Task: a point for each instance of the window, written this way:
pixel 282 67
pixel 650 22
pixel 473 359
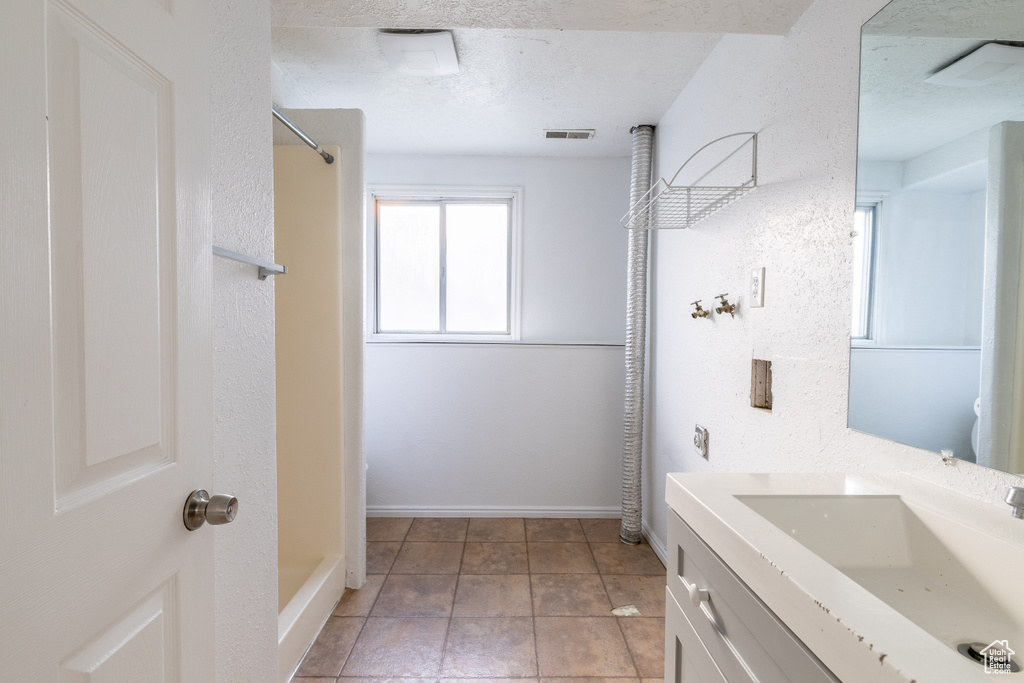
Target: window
pixel 445 267
pixel 865 230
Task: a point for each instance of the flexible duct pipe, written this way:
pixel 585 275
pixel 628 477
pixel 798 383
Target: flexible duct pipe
pixel 636 342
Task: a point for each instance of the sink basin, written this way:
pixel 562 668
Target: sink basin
pixel 954 581
pixel 881 575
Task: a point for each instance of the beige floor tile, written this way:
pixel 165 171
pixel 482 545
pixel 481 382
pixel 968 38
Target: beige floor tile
pixel 652 680
pixel 490 647
pixel 590 680
pixel 602 530
pixel 561 558
pixel 331 648
pixel 387 528
pixel 379 679
pixel 495 558
pixel 498 595
pixel 646 592
pixel 619 558
pixel 438 529
pixel 357 603
pixel 428 558
pixel 496 530
pixel 416 595
pixel 409 647
pixel 646 640
pixel 582 646
pixel 380 556
pixel 487 680
pixel 564 530
pixel 569 595
pixel 317 679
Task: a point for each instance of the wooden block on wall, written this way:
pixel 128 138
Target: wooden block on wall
pixel 761 384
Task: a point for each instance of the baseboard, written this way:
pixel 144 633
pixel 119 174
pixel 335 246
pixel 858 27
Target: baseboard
pixel 300 621
pixel 657 545
pixel 492 511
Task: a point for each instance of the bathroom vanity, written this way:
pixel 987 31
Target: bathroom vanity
pixel 734 638
pixel 822 577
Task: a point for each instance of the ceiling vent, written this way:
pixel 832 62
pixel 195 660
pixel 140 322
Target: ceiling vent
pixel 419 53
pixel 988 64
pixel 575 134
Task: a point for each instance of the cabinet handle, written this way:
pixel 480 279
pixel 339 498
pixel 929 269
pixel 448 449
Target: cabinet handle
pixel 697 595
pixel 701 598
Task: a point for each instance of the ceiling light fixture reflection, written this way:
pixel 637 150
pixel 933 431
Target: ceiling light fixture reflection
pixel 419 53
pixel 989 64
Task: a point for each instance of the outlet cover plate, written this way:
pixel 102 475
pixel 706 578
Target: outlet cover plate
pixel 700 441
pixel 757 288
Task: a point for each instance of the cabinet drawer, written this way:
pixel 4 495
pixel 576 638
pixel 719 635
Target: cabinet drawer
pixel 686 659
pixel 745 638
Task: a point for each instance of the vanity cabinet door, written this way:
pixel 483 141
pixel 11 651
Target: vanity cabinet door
pixel 686 659
pixel 745 638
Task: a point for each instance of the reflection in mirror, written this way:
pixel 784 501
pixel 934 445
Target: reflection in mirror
pixel 936 359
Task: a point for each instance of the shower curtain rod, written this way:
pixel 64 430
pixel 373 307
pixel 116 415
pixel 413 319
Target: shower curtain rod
pixel 295 129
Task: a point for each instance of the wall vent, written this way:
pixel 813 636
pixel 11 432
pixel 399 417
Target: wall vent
pixel 575 134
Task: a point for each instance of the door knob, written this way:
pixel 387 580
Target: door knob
pixel 201 508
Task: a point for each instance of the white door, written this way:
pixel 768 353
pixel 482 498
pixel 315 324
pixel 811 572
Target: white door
pixel 105 363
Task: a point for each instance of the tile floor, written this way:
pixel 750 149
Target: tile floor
pixel 449 599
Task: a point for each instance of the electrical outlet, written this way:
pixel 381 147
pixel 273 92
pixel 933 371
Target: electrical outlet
pixel 757 288
pixel 700 440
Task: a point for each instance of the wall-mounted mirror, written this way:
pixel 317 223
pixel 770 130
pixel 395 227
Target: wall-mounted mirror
pixel 937 342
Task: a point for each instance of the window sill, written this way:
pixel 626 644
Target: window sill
pixel 377 341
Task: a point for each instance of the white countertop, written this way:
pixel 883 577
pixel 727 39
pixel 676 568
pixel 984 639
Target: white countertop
pixel 857 635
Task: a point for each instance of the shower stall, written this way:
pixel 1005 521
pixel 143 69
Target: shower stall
pixel 318 337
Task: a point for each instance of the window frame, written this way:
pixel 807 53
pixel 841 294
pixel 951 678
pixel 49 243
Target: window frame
pixel 876 202
pixel 444 195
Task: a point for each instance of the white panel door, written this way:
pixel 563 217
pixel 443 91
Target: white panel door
pixel 105 352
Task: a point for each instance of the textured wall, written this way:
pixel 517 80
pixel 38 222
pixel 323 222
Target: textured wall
pixel 800 92
pixel 243 340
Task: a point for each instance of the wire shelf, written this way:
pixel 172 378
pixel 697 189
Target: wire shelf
pixel 669 206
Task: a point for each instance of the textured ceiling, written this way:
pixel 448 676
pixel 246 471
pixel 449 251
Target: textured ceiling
pixel 698 16
pixel 902 117
pixel 512 85
pixel 525 65
pixel 949 19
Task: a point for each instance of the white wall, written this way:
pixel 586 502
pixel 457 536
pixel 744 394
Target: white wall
pixel 930 253
pixel 924 397
pixel 931 258
pixel 800 92
pixel 574 268
pixel 243 344
pixel 502 430
pixel 929 275
pixel 528 428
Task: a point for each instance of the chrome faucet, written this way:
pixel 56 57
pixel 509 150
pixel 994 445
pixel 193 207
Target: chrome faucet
pixel 1015 499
